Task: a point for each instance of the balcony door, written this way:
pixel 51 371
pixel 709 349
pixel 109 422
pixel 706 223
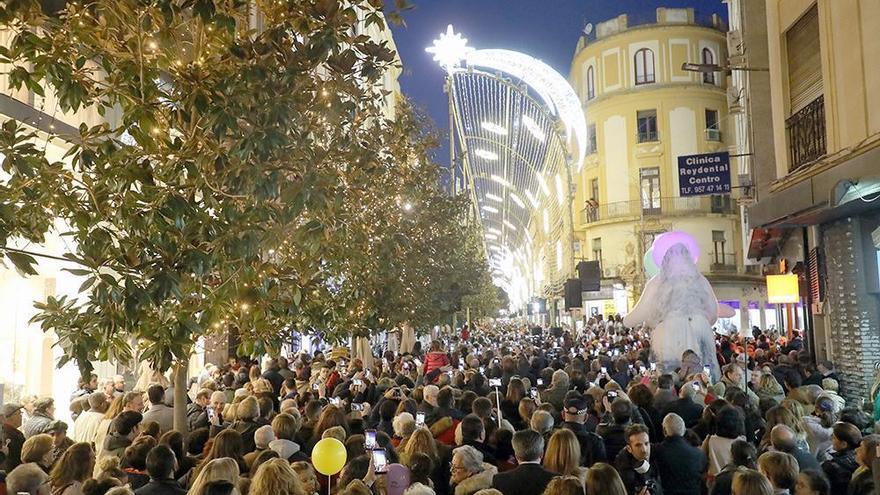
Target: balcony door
pixel 649 180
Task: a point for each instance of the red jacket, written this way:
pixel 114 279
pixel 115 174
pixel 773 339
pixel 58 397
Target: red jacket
pixel 435 361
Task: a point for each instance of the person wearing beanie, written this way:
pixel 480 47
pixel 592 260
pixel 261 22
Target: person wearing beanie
pixel 60 441
pixel 85 428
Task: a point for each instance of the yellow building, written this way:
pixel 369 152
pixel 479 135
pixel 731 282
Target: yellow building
pixel 643 112
pixel 821 208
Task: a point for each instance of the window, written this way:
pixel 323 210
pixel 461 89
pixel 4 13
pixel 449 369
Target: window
pixel 594 190
pixel 593 202
pixel 713 133
pixel 597 250
pixel 708 58
pixel 644 64
pixel 806 121
pixel 591 138
pixel 591 83
pixel 649 178
pixel 721 203
pixel 718 240
pixel 647 124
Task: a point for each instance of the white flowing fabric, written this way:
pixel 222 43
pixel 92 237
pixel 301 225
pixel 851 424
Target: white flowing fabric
pixel 363 351
pixel 681 307
pixel 407 338
pixel 392 340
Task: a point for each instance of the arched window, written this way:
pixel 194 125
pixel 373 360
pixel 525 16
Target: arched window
pixel 591 83
pixel 644 63
pixel 708 58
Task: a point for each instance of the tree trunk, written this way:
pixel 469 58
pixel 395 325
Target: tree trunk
pixel 180 396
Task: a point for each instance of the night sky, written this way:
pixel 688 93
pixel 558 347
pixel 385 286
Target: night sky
pixel 545 29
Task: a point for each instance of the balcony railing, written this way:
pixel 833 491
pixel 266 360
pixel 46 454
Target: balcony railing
pixel 666 207
pixel 722 262
pixel 713 135
pixel 648 136
pixel 806 134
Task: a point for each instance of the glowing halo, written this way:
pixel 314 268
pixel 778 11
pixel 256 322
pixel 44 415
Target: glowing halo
pixel 664 242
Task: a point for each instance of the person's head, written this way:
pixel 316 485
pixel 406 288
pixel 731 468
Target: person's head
pixel 227 443
pixel 528 445
pixel 404 425
pixel 637 442
pixel 126 424
pixel 420 467
pixel 472 429
pixel 422 441
pixel 262 457
pixel 307 476
pixel 542 422
pixel 733 372
pixel 812 482
pixel 621 411
pixel 783 439
pixel 780 468
pixel 845 436
pixel 135 455
pixel 276 476
pixel 603 479
pixel 665 382
pixel 744 454
pixel 729 422
pixel 466 462
pixel 575 409
pixel 11 414
pixel 75 464
pixel 28 478
pixel 673 426
pixel 38 449
pixel 45 406
pixel 866 452
pixel 156 394
pixel 99 486
pixel 564 485
pixel 750 482
pixel 430 394
pixel 118 383
pixel 161 462
pixel 98 402
pixel 217 401
pixel 133 401
pixel 203 397
pixel 248 409
pixel 286 426
pixel 563 453
pixel 223 469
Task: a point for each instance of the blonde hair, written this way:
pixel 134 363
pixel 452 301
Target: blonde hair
pixel 248 408
pixel 336 432
pixel 223 469
pixel 116 407
pixel 276 477
pixel 603 479
pixel 750 482
pixel 564 485
pixel 36 447
pixel 307 476
pixel 422 441
pixel 563 454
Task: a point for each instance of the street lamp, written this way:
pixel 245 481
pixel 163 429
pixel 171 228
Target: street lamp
pixel 710 68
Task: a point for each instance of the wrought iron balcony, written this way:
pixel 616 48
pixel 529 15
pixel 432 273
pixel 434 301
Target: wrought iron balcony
pixel 633 210
pixel 806 134
pixel 648 136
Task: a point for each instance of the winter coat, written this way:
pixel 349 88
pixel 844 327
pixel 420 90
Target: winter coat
pixel 435 361
pixel 36 424
pixel 477 482
pixel 840 469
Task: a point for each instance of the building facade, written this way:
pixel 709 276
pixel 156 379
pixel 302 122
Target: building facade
pixel 643 112
pixel 820 211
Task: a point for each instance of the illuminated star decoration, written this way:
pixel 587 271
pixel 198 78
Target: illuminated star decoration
pixel 449 49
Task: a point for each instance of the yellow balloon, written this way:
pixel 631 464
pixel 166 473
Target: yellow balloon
pixel 329 456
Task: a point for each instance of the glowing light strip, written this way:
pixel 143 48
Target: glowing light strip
pixel 494 230
pixel 532 199
pixel 560 194
pixel 510 225
pixel 533 128
pixel 546 221
pixel 543 184
pixel 492 237
pixel 486 154
pixel 500 180
pixel 516 199
pixel 494 197
pixel 494 128
pixel 490 209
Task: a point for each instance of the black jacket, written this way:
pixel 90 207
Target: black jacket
pixel 839 470
pixel 634 481
pixel 161 487
pixel 487 451
pixel 526 479
pixel 862 484
pixel 614 437
pixel 196 417
pixel 804 458
pixel 690 411
pixel 680 465
pixel 592 445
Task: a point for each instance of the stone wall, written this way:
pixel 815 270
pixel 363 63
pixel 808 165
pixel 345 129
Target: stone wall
pixel 853 312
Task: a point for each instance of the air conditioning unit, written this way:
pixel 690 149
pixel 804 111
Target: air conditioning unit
pixel 713 134
pixel 609 272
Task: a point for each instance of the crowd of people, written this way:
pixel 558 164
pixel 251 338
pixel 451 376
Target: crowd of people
pixel 503 409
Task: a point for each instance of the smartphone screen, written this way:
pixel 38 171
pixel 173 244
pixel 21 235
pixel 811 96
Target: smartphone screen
pixel 653 366
pixel 696 386
pixel 211 412
pixel 604 370
pixel 370 440
pixel 534 392
pixel 357 407
pixel 315 386
pixel 420 419
pixel 540 382
pixel 495 382
pixel 707 370
pixel 380 461
pixel 482 369
pixel 357 382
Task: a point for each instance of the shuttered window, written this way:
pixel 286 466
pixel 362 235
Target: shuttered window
pixel 804 60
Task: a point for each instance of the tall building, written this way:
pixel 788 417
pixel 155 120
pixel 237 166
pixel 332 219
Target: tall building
pixel 820 211
pixel 643 112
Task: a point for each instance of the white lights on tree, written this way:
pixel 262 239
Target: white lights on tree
pixel 490 209
pixel 449 49
pixel 407 206
pixel 494 230
pixel 558 255
pixel 560 193
pixel 543 184
pixel 546 221
pixel 510 225
pixel 532 199
pixel 500 180
pixel 494 197
pixel 533 128
pixel 486 154
pixel 516 199
pixel 494 128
